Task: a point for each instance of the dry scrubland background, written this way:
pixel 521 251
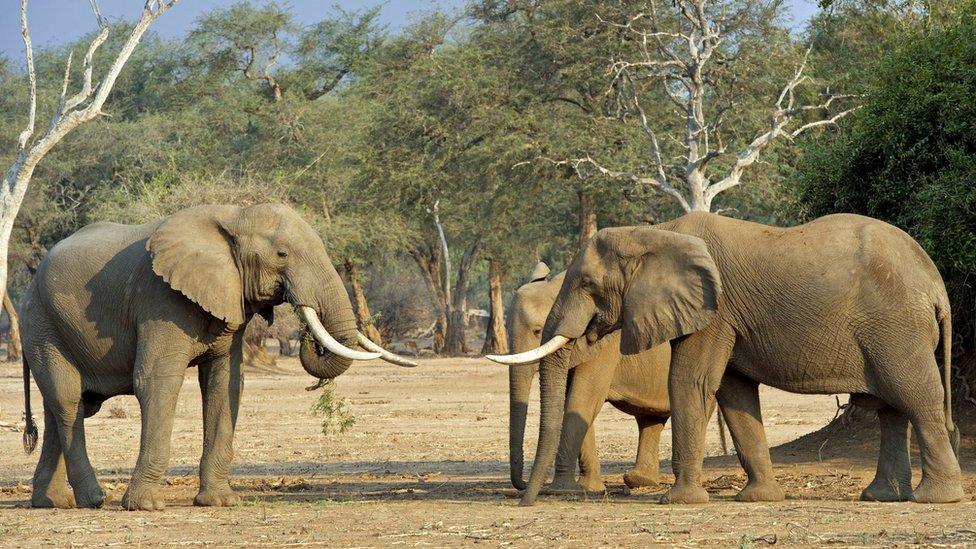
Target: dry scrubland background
pixel 426 465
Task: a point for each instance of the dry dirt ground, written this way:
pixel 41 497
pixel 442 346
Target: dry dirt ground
pixel 426 465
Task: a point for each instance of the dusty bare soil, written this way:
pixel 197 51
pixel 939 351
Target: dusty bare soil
pixel 426 465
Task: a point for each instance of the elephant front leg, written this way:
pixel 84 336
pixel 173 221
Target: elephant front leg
pixel 697 364
pixel 646 471
pixel 157 385
pixel 739 398
pixel 591 479
pixel 221 385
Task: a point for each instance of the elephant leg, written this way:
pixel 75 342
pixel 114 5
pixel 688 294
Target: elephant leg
pixel 646 471
pixel 893 480
pixel 590 478
pixel 50 477
pixel 221 384
pixel 589 386
pixel 920 397
pixel 738 396
pixel 697 364
pixel 60 383
pixel 158 379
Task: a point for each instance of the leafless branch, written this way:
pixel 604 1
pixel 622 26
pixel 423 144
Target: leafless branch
pixel 31 80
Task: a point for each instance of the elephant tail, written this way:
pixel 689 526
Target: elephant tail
pixel 30 427
pixel 945 326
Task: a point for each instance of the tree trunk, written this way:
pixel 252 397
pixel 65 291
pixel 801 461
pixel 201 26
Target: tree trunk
pixel 359 305
pixel 496 338
pixel 429 261
pixel 455 342
pixel 587 217
pixel 13 346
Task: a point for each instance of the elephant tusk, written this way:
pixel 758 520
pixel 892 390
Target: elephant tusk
pixel 548 348
pixel 367 343
pixel 326 340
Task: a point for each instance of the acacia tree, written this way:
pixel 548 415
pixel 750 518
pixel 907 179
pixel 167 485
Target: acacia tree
pixel 69 113
pixel 695 57
pixel 245 39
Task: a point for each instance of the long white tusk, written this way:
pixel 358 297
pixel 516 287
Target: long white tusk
pixel 550 347
pixel 367 343
pixel 326 340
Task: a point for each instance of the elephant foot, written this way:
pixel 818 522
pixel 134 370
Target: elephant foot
pixel 564 486
pixel 143 498
pixel 211 497
pixel 887 490
pixel 61 498
pixel 92 497
pixel 636 479
pixel 761 491
pixel 592 485
pixel 938 491
pixel 684 494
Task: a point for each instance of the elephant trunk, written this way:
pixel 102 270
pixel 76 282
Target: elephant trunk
pixel 519 386
pixel 553 375
pixel 334 311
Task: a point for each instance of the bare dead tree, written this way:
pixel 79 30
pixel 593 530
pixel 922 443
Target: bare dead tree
pixel 69 113
pixel 678 59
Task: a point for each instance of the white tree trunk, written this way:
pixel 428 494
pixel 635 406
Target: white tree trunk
pixel 67 116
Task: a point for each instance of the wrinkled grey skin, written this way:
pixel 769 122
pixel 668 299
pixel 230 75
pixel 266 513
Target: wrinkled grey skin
pixel 843 304
pixel 636 385
pixel 125 309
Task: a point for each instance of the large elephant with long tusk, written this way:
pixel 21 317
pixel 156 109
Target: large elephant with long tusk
pixel 125 309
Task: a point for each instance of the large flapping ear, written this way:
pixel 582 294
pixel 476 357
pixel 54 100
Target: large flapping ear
pixel 540 272
pixel 192 251
pixel 674 290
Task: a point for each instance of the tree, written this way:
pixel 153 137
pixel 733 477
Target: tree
pixel 695 57
pixel 69 113
pixel 245 39
pixel 907 156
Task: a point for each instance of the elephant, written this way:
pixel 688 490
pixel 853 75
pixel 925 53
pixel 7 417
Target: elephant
pixel 125 309
pixel 636 385
pixel 842 304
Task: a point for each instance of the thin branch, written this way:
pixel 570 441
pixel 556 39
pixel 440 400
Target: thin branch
pixel 31 79
pixel 86 82
pixel 832 121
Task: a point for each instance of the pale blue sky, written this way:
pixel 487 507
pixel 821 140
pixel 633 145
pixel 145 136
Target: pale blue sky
pixel 54 22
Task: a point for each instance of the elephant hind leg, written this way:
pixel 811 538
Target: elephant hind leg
pixel 914 387
pixel 60 383
pixel 50 484
pixel 646 471
pixel 893 480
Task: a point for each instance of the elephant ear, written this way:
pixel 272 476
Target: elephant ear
pixel 192 251
pixel 673 292
pixel 540 272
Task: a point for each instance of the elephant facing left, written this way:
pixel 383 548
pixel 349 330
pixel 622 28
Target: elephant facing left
pixel 126 309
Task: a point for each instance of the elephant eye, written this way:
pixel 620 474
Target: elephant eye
pixel 282 253
pixel 537 331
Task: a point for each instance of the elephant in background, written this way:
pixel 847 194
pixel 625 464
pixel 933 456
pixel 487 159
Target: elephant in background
pixel 843 304
pixel 636 385
pixel 125 309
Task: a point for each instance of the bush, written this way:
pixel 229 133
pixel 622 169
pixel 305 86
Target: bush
pixel 909 155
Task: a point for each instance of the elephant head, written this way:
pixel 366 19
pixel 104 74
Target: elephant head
pixel 652 285
pixel 528 312
pixel 235 262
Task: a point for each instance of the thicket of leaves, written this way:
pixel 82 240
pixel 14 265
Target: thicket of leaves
pixel 909 155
